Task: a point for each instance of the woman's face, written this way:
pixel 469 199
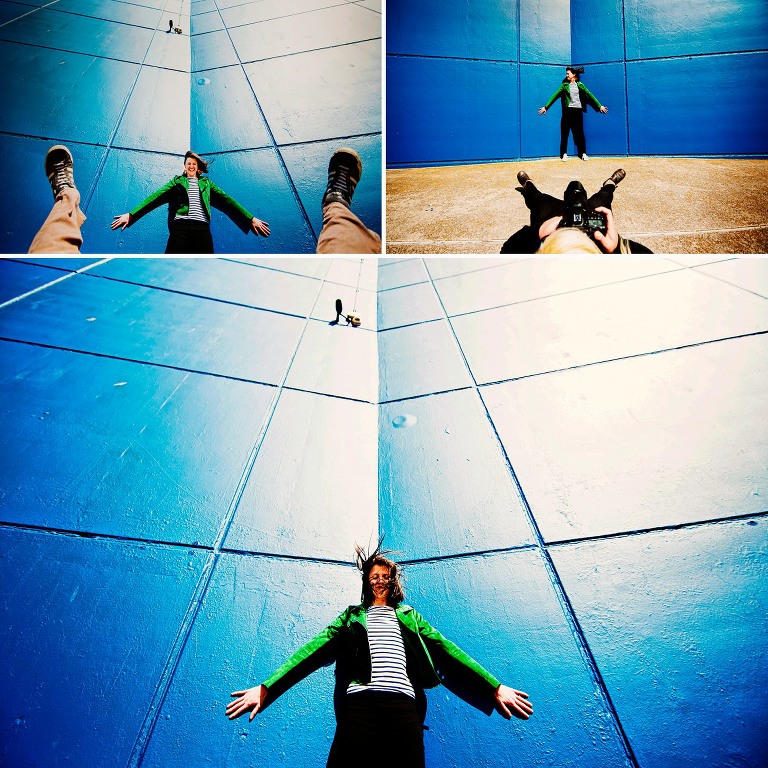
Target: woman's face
pixel 570 75
pixel 378 578
pixel 190 167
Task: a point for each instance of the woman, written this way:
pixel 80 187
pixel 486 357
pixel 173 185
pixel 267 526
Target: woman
pixel 189 199
pixel 386 654
pixel 574 96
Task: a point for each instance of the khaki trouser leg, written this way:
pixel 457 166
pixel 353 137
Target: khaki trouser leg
pixel 61 231
pixel 343 232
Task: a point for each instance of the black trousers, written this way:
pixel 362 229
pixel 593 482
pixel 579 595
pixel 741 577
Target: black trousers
pixel 189 237
pixel 544 207
pixel 572 121
pixel 377 730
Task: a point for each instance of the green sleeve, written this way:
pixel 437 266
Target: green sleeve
pixel 554 97
pixel 224 202
pixel 590 96
pixel 457 670
pixel 318 652
pixel 154 200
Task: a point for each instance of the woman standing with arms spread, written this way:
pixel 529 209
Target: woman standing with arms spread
pixel 386 654
pixel 189 198
pixel 574 96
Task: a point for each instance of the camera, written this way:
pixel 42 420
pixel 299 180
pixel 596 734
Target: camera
pixel 578 213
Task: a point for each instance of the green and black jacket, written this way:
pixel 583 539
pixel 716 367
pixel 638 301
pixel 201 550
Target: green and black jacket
pixel 565 97
pixel 176 194
pixel 431 659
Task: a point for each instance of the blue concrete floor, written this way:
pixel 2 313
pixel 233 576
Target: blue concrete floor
pixel 266 90
pixel 569 456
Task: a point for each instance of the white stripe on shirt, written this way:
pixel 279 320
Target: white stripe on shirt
pixel 387 654
pixel 196 210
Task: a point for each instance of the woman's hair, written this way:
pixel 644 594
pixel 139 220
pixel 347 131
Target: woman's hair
pixel 365 562
pixel 578 71
pixel 202 165
pixel 569 240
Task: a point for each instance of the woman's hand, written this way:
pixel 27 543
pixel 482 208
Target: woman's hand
pixel 121 221
pixel 512 702
pixel 543 111
pixel 251 700
pixel 610 239
pixel 604 110
pixel 259 227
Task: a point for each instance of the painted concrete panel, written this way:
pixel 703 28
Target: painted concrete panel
pixel 206 22
pixel 170 51
pixel 444 487
pixel 420 360
pixel 23 160
pixel 459 29
pixel 189 333
pixel 408 305
pixel 157 115
pixel 523 280
pixel 700 127
pixel 274 606
pixel 545 31
pixel 159 454
pixel 634 317
pixel 219 279
pixel 597 32
pixel 664 439
pixel 313 485
pixel 225 113
pixel 237 14
pixel 258 181
pixel 503 611
pixel 751 274
pixel 213 50
pixel 423 93
pixel 324 28
pixel 88 642
pixel 79 34
pixel 308 166
pixel 320 94
pixel 439 268
pixel 109 10
pixel 665 645
pixel 361 273
pixel 656 28
pixel 293 266
pixel 47 73
pixel 400 273
pixel 336 360
pixel 17 278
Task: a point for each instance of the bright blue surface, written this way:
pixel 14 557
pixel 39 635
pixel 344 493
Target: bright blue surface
pixel 648 61
pixel 89 642
pixel 591 529
pixel 664 645
pixel 109 80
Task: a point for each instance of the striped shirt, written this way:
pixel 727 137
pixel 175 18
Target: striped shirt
pixel 387 654
pixel 196 210
pixel 573 90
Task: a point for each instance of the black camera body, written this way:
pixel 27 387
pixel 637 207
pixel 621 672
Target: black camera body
pixel 578 214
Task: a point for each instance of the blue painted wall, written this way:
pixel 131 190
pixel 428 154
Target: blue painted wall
pixel 191 452
pixel 464 80
pixel 266 90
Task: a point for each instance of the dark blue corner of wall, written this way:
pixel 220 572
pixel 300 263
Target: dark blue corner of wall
pixel 444 110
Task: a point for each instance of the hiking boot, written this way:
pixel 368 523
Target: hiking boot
pixel 59 168
pixel 616 177
pixel 523 178
pixel 344 171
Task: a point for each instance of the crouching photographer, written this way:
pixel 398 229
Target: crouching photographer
pixel 576 224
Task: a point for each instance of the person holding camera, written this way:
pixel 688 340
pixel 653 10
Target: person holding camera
pixel 574 97
pixel 576 224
